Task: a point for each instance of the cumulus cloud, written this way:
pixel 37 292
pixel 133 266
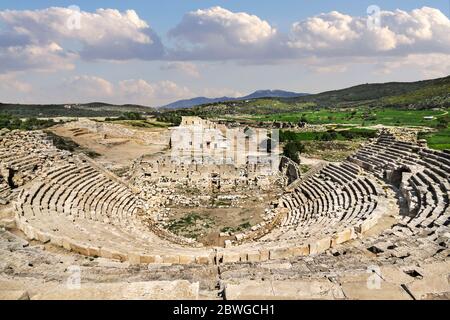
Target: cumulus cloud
pixel 217 33
pixel 185 67
pixel 49 57
pixel 430 65
pixel 145 92
pixel 52 34
pixel 399 33
pixel 87 88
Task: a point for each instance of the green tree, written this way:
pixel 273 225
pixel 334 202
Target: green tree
pixel 292 150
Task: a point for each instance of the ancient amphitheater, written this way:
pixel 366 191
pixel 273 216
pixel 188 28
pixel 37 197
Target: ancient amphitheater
pixel 373 226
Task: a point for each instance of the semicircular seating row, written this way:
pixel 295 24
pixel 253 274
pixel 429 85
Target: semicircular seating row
pixel 80 208
pixel 340 201
pixel 69 202
pixel 22 155
pixel 77 206
pixel 424 186
pixel 329 208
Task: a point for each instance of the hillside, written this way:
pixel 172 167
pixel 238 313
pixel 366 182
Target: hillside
pixel 426 94
pixel 94 109
pixel 398 94
pixel 189 103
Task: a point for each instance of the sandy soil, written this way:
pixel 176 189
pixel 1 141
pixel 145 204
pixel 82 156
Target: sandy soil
pixel 250 210
pixel 115 152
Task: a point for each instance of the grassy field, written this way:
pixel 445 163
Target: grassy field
pixel 390 117
pixel 439 140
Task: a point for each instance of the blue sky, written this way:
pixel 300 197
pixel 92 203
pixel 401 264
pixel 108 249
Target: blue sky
pixel 235 49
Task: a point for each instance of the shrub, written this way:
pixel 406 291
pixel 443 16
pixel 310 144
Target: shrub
pixel 292 150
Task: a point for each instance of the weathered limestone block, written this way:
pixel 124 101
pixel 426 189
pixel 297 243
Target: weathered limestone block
pixel 66 243
pixel 299 251
pixel 285 290
pixel 29 232
pixel 8 223
pixel 279 253
pixel 435 280
pixel 386 291
pixel 149 259
pixel 204 259
pixel 230 257
pixel 134 258
pixel 42 236
pixel 14 295
pixel 152 290
pixel 173 259
pixel 342 237
pixel 79 248
pixel 264 254
pixel 367 225
pixel 254 256
pixel 56 240
pixel 320 246
pixel 186 259
pixel 112 254
pixel 94 251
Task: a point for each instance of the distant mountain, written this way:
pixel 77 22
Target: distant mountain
pixel 425 94
pixel 273 94
pixel 189 103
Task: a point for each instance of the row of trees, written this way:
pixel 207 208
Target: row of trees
pixel 14 123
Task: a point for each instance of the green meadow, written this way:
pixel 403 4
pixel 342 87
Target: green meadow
pixel 439 140
pixel 361 117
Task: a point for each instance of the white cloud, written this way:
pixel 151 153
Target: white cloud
pixel 399 33
pixel 49 57
pixel 185 67
pixel 146 93
pixel 430 65
pixel 233 28
pixel 40 36
pixel 217 33
pixel 88 88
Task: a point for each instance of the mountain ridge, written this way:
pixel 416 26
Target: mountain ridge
pixel 189 103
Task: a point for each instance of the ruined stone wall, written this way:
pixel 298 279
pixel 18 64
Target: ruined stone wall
pixel 209 177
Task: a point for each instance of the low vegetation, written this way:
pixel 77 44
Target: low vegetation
pixel 242 227
pixel 293 149
pixel 13 123
pixel 193 225
pixel 439 140
pixel 330 135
